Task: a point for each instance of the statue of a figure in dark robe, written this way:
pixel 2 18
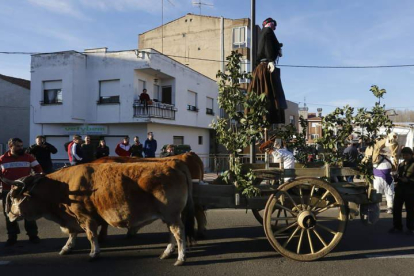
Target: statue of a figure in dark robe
pixel 266 77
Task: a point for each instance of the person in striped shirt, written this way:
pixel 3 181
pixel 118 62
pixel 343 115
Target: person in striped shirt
pixel 15 163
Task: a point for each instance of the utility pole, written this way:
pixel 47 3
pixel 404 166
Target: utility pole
pixel 162 24
pixel 253 63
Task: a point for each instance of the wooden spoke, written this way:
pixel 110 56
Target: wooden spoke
pixel 312 191
pixel 286 209
pixel 326 229
pixel 320 238
pixel 291 236
pixel 291 199
pixel 327 208
pixel 288 218
pixel 300 241
pixel 310 241
pixel 284 212
pixel 278 215
pixel 285 228
pixel 301 196
pixel 319 200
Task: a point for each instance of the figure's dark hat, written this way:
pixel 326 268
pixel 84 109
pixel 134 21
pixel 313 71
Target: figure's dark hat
pixel 268 20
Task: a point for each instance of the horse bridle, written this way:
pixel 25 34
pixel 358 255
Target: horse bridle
pixel 27 195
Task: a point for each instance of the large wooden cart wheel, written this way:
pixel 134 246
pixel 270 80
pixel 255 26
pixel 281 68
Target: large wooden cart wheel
pixel 305 219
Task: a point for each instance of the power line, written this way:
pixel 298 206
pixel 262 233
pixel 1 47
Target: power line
pixel 280 65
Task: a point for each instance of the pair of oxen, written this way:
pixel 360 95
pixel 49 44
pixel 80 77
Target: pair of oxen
pixel 119 191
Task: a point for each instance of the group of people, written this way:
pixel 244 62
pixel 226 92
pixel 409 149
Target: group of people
pixel 83 151
pixel 18 162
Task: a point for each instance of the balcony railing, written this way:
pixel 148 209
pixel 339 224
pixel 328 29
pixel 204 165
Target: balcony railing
pixel 154 110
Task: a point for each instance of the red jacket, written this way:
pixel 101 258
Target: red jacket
pixel 15 167
pixel 123 150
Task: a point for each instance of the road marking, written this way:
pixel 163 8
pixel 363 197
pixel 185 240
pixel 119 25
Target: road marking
pixel 382 256
pixel 4 262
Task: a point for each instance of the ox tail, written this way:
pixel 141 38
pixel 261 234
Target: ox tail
pixel 188 213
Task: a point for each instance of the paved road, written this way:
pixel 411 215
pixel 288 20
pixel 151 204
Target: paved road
pixel 235 246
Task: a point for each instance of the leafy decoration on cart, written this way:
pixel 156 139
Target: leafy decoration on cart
pixel 338 126
pixel 243 123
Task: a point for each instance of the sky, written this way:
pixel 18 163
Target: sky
pixel 314 32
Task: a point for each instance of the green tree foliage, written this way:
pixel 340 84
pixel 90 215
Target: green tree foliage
pixel 341 123
pixel 295 140
pixel 244 121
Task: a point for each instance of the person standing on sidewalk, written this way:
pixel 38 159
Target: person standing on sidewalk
pixel 15 163
pixel 87 150
pixel 124 148
pixel 404 193
pixel 136 148
pixel 102 150
pixel 75 151
pixel 150 146
pixel 41 151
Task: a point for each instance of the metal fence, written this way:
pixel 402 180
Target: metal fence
pixel 213 163
pixel 154 110
pixel 218 163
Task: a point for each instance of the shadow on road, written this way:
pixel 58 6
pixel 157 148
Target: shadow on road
pixel 224 244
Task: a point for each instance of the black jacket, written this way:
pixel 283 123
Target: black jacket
pixel 136 150
pixel 88 153
pixel 102 152
pixel 268 47
pixel 42 155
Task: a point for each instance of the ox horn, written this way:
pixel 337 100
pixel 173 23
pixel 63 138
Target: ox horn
pixel 11 182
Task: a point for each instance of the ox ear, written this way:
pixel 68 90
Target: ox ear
pixel 11 182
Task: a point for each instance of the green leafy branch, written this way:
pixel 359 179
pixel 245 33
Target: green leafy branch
pixel 244 121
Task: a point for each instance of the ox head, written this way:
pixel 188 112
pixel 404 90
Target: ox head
pixel 20 201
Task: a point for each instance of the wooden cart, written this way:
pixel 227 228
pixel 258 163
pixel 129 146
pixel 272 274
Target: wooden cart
pixel 304 218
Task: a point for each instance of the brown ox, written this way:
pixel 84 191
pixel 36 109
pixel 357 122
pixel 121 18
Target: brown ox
pixel 192 160
pixel 194 164
pixel 80 198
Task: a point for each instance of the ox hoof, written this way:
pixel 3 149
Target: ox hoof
pixel 165 256
pixel 93 256
pixel 64 251
pixel 179 263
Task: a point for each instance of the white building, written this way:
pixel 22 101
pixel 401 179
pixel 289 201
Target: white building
pixel 14 110
pixel 96 92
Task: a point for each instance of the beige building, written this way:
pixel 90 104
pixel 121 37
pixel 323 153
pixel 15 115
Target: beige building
pixel 314 130
pixel 200 41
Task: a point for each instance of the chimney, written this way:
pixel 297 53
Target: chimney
pixel 319 112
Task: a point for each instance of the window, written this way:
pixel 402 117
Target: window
pixel 200 140
pixel 210 106
pixel 109 91
pixel 240 37
pixel 192 101
pixel 244 68
pixel 166 95
pixel 52 92
pixel 157 93
pixel 178 140
pixel 292 119
pixel 314 136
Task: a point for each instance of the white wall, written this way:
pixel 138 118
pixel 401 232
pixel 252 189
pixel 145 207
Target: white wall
pixel 14 113
pixel 164 135
pixel 80 75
